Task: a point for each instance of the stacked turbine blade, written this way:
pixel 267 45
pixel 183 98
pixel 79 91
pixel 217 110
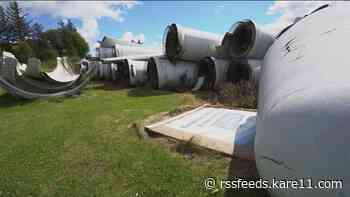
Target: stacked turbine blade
pixel 191 58
pixel 237 53
pixel 28 81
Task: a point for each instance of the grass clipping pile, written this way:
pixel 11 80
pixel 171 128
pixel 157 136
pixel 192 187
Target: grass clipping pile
pixel 243 94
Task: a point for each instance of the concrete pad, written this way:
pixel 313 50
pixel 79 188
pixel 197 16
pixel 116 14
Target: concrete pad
pixel 224 130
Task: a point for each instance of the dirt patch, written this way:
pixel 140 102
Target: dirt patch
pixel 185 148
pixel 110 85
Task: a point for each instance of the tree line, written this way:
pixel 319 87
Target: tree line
pixel 25 38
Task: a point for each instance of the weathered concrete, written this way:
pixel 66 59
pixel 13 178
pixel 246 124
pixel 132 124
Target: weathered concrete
pixel 228 131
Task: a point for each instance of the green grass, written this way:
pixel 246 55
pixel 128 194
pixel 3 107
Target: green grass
pixel 84 146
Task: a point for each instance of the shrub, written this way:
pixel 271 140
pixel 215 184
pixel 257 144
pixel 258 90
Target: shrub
pixel 22 51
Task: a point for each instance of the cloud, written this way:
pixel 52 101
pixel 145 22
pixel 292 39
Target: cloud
pixel 89 12
pixel 288 11
pixel 129 36
pixel 155 45
pixel 89 31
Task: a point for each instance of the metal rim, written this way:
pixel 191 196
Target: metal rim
pixel 243 38
pixel 207 69
pixel 152 72
pixel 171 42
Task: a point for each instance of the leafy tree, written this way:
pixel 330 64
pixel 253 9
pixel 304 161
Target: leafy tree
pixel 55 38
pixel 36 31
pixel 49 54
pixel 22 51
pixel 3 26
pixel 60 24
pixel 20 27
pixel 75 44
pixel 43 49
pixel 18 36
pixel 67 42
pixel 5 47
pixel 81 45
pixel 69 25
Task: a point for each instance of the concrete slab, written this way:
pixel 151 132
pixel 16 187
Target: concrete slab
pixel 224 130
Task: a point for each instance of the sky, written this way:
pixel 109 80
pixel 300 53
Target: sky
pixel 146 20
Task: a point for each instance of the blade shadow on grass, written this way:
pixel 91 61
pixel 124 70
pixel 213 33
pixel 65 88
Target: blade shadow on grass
pixel 109 85
pixel 147 91
pixel 245 170
pixel 7 100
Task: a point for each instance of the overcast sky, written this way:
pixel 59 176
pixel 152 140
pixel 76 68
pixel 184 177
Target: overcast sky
pixel 146 20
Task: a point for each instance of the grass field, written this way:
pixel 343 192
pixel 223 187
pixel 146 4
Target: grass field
pixel 84 146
